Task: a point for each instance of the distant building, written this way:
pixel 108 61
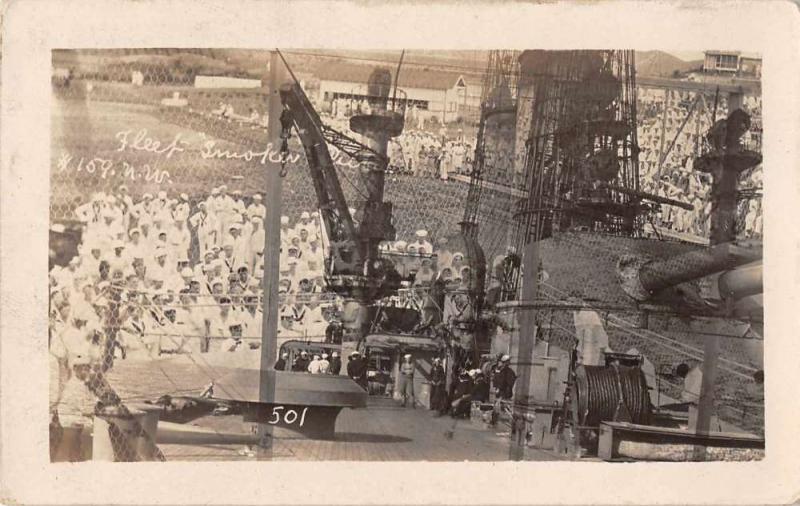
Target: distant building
pixel 225 82
pixel 750 66
pixel 732 63
pixel 445 94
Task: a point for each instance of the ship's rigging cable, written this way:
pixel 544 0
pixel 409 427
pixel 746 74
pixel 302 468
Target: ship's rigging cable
pixel 659 379
pixel 397 77
pixel 672 344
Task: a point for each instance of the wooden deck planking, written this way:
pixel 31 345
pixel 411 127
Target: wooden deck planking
pixel 381 432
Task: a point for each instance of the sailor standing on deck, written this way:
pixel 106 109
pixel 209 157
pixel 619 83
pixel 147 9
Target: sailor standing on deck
pixel 438 377
pixel 336 364
pixel 285 231
pixel 182 208
pixel 225 209
pixel 257 208
pixel 357 369
pixel 280 364
pixel 206 227
pixel 324 364
pixel 503 379
pixel 314 365
pixel 304 223
pixel 406 383
pixel 256 242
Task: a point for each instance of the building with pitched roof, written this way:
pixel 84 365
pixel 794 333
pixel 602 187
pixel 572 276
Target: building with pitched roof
pixel 445 94
pixel 732 62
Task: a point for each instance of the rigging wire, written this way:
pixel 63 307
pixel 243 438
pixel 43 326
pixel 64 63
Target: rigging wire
pixel 397 76
pixel 688 350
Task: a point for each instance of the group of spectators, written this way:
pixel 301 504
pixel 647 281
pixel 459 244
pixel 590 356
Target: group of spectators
pixel 322 363
pixel 166 274
pixel 314 364
pixel 225 110
pixel 674 177
pixel 423 149
pixel 421 153
pixel 472 385
pixel 340 108
pixel 423 263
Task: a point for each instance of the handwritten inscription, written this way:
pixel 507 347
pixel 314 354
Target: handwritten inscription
pixel 210 151
pixel 140 141
pixel 107 168
pixel 269 154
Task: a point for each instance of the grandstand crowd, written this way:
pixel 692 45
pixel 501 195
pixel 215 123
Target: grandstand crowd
pixel 166 274
pixel 665 170
pixel 424 149
pixel 669 172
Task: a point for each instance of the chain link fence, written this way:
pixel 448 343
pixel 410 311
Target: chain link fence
pixel 157 208
pixel 672 353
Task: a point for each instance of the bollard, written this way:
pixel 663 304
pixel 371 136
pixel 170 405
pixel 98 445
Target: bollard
pixel 116 433
pixel 146 443
pixel 71 440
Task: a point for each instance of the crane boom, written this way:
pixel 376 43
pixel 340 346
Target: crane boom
pixel 353 267
pixel 332 203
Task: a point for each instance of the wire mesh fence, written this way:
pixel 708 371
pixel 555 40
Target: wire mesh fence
pixel 672 350
pixel 671 129
pixel 157 209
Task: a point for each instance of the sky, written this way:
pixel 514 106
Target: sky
pixel 687 55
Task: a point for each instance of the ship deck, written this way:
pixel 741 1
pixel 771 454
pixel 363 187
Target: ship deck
pixel 384 431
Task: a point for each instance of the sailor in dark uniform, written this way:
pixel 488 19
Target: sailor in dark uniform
pixel 462 396
pixel 503 379
pixel 301 362
pixel 357 369
pixel 280 364
pixel 438 397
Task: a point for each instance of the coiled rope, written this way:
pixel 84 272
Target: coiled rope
pixel 606 393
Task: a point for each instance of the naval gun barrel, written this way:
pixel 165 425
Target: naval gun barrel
pixel 641 277
pixel 648 196
pixel 742 282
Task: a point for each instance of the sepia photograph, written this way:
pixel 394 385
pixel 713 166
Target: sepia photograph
pixel 406 255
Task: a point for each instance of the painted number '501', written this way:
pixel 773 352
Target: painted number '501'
pixel 289 416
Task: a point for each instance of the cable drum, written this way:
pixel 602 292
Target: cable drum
pixel 597 392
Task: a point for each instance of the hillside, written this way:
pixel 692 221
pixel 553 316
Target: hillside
pixel 181 65
pixel 661 64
